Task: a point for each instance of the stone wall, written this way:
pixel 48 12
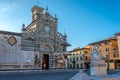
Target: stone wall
pixel 11 55
pixel 9 51
pixel 27 59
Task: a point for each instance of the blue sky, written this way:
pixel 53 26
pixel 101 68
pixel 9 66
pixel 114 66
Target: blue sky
pixel 85 21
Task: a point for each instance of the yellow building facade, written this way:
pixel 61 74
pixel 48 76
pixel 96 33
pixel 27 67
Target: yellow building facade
pixel 117 36
pixel 86 55
pixel 78 58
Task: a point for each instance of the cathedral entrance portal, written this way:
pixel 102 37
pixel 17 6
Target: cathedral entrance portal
pixel 45 61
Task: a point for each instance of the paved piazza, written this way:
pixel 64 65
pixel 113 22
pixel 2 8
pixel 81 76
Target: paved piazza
pixel 38 75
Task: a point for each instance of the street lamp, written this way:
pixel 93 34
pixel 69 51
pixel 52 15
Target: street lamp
pixel 73 61
pixel 108 66
pixel 108 58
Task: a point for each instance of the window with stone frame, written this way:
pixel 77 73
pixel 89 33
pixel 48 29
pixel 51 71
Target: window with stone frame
pixel 77 65
pixel 81 66
pixel 80 58
pixel 68 65
pixel 114 49
pixel 106 49
pixel 116 55
pixel 73 59
pixel 86 52
pixel 77 58
pixel 86 58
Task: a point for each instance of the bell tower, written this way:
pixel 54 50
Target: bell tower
pixel 36 11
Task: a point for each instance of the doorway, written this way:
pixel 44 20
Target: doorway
pixel 45 61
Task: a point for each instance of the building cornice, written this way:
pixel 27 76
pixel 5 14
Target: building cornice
pixel 31 24
pixel 102 41
pixel 117 34
pixel 10 33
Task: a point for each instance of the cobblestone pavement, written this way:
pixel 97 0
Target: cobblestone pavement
pixel 38 75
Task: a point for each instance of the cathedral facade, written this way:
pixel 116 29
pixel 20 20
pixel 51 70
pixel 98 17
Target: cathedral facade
pixel 38 46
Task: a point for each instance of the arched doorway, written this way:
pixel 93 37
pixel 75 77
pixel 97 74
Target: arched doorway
pixel 45 61
pixel 47 49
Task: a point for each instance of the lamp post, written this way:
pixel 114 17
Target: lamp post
pixel 108 61
pixel 108 65
pixel 108 56
pixel 73 64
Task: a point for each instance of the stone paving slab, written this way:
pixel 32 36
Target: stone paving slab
pixel 39 75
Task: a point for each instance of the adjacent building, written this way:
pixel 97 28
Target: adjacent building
pixel 109 49
pixel 117 36
pixel 78 58
pixel 38 46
